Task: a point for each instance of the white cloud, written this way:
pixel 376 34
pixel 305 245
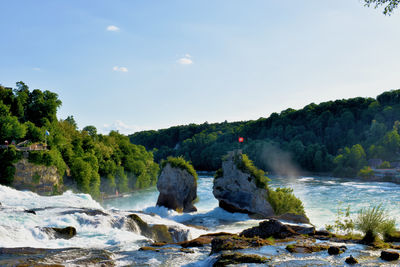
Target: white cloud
pixel 186 60
pixel 112 28
pixel 121 127
pixel 121 69
pixel 36 69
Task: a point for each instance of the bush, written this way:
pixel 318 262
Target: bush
pixel 366 172
pixel 374 221
pixel 181 163
pixel 219 173
pixel 384 165
pixel 284 201
pixel 244 164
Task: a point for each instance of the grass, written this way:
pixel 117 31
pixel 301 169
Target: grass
pixel 244 164
pixel 180 163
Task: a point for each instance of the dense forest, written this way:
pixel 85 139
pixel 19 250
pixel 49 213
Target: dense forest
pixel 338 137
pixel 94 162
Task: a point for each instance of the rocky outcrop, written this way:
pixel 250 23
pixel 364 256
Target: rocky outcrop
pixel 234 242
pixel 238 258
pixel 64 233
pixel 237 190
pixel 178 189
pixel 335 250
pixel 157 232
pixel 56 257
pixel 41 179
pixel 269 228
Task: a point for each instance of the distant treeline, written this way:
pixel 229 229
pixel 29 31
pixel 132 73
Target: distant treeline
pixel 93 161
pixel 336 136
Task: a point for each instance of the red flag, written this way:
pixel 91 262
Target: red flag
pixel 241 139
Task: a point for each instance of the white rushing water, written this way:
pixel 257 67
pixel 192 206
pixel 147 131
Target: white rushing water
pixel 106 228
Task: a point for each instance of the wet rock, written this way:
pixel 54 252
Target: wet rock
pixel 64 233
pixel 269 228
pixel 55 257
pixel 334 250
pixel 178 189
pixel 237 190
pixel 238 258
pixel 294 218
pixel 186 250
pixel 394 237
pixel 303 229
pixel 389 255
pixel 30 211
pixel 234 242
pixel 90 212
pixel 202 240
pixel 322 233
pixel 351 260
pixel 306 247
pixel 157 232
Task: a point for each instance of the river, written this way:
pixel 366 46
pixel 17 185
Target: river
pixel 321 197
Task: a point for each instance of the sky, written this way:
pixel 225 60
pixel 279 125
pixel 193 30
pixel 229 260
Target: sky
pixel 132 65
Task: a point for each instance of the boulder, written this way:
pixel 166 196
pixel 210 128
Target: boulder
pixel 64 233
pixel 334 250
pixel 157 232
pixel 178 189
pixel 293 218
pixel 234 242
pixel 269 228
pixel 238 258
pixel 237 190
pixel 306 247
pixel 389 255
pixel 351 260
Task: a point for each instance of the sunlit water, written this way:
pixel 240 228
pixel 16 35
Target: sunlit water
pixel 321 197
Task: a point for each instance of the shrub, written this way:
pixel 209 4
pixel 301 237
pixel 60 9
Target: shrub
pixel 384 165
pixel 181 163
pixel 366 172
pixel 219 173
pixel 373 221
pixel 244 164
pixel 284 201
pixel 343 222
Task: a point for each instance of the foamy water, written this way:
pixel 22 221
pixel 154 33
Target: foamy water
pixel 321 197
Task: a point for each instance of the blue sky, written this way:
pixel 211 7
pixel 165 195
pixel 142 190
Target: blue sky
pixel 132 65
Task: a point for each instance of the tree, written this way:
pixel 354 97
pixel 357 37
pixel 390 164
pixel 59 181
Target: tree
pixel 389 5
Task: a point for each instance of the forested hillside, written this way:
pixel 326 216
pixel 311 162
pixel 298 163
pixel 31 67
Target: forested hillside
pixel 336 136
pixel 94 162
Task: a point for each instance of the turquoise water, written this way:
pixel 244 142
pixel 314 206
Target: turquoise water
pixel 321 196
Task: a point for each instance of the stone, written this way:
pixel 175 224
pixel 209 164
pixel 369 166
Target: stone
pixel 30 211
pixel 351 260
pixel 237 191
pixel 157 232
pixel 303 229
pixel 334 250
pixel 269 228
pixel 306 247
pixel 63 233
pixel 293 218
pixel 202 240
pixel 388 255
pixel 234 242
pixel 238 258
pixel 178 189
pixel 37 178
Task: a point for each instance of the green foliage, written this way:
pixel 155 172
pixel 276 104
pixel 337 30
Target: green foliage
pixel 384 165
pixel 343 223
pixel 350 161
pixel 284 201
pixel 389 7
pixel 219 173
pixel 36 178
pixel 374 221
pixel 97 162
pixel 244 164
pixel 181 163
pixel 366 172
pixel 7 169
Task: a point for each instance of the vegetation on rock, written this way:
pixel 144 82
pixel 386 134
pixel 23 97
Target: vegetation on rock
pixel 96 162
pixel 180 163
pixel 284 201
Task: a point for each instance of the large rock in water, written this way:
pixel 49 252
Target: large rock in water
pixel 178 189
pixel 237 190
